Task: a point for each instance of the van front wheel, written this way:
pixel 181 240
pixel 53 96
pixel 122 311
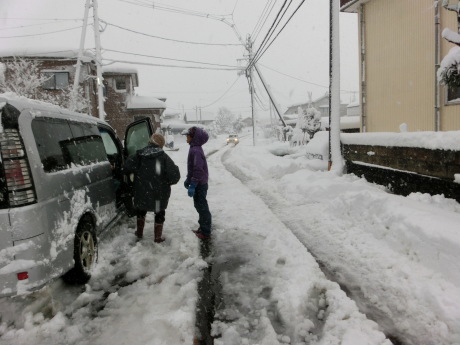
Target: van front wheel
pixel 85 251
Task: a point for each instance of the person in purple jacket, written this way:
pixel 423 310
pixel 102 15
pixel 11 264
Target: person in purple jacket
pixel 196 182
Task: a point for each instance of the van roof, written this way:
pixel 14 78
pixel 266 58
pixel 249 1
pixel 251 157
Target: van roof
pixel 23 103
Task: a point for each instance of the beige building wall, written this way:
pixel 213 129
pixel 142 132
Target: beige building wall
pixel 450 113
pixel 403 43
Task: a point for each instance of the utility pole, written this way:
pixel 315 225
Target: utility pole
pixel 76 81
pixel 97 38
pixel 335 156
pixel 249 76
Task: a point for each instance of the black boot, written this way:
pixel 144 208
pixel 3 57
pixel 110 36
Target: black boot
pixel 158 232
pixel 140 227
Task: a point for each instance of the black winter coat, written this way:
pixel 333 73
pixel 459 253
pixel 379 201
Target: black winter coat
pixel 154 173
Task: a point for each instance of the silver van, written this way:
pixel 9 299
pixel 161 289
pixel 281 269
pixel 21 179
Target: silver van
pixel 60 188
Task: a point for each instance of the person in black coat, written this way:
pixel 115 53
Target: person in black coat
pixel 154 173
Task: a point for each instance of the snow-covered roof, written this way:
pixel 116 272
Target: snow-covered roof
pixel 119 70
pixel 145 102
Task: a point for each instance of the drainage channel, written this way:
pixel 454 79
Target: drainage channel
pixel 209 296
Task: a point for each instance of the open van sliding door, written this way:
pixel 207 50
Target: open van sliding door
pixel 137 137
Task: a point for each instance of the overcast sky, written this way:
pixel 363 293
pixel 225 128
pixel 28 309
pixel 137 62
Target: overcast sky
pixel 295 64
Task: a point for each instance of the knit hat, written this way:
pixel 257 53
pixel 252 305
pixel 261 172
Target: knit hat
pixel 158 140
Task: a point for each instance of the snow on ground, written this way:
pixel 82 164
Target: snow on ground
pixel 396 256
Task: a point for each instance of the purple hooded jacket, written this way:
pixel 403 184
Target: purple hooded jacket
pixel 197 167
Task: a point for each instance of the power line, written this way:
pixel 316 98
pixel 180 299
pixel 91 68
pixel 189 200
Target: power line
pixel 56 19
pixel 43 33
pixel 220 18
pixel 256 59
pixel 270 30
pixel 27 26
pixel 174 9
pixel 217 100
pixel 255 33
pixel 169 39
pixel 302 80
pixel 174 66
pixel 164 58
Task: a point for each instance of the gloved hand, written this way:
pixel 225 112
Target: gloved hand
pixel 191 189
pixel 187 183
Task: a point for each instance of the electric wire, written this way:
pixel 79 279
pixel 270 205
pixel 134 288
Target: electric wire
pixel 255 33
pixel 168 39
pixel 221 18
pixel 173 66
pixel 217 100
pixel 260 55
pixel 260 18
pixel 167 8
pixel 56 19
pixel 27 26
pixel 164 58
pixel 302 80
pixel 43 33
pixel 268 34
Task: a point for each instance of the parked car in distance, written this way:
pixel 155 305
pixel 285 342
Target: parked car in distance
pixel 60 187
pixel 233 139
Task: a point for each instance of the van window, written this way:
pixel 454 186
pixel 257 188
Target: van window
pixel 110 146
pixel 62 143
pixel 48 133
pixel 83 150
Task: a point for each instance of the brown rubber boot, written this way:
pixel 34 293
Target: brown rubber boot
pixel 158 232
pixel 140 228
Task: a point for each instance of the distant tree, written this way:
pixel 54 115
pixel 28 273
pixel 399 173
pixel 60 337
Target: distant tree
pixel 23 78
pixel 224 121
pixel 238 124
pixel 308 123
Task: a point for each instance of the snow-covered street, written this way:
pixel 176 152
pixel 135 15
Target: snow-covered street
pixel 301 256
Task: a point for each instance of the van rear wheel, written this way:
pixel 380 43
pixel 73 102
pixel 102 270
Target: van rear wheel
pixel 85 253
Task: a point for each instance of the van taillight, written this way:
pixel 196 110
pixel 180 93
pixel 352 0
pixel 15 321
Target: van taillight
pixel 16 169
pixel 23 275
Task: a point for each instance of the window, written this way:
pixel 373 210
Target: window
pixel 110 146
pixel 83 150
pixel 453 94
pixel 120 83
pixel 137 137
pixel 56 80
pixel 61 143
pixel 48 132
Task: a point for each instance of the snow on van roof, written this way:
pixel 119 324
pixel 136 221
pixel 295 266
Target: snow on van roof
pixel 21 103
pixel 145 102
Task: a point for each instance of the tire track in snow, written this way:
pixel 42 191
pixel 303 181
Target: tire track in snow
pixel 277 204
